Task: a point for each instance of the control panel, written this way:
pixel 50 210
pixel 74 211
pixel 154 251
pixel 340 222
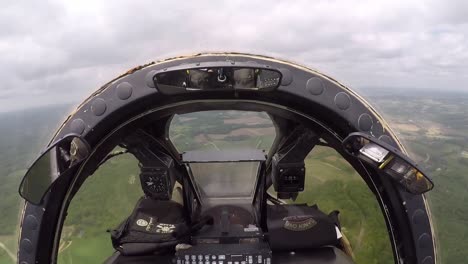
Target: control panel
pixel 259 253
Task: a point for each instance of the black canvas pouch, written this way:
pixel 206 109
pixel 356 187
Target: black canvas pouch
pixel 301 227
pixel 150 228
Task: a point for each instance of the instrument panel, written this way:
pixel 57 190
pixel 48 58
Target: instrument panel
pixel 259 253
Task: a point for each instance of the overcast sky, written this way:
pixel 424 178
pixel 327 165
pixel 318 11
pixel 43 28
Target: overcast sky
pixel 52 52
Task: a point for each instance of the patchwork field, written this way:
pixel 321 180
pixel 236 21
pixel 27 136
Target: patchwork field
pixel 434 129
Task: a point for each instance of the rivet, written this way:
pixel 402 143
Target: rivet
pixel 124 90
pixel 77 126
pixel 342 100
pixel 315 86
pixel 98 106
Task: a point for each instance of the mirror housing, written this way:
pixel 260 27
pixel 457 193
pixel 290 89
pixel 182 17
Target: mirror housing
pixel 55 161
pixel 225 76
pixel 389 161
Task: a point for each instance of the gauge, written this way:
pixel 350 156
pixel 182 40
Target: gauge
pixel 154 183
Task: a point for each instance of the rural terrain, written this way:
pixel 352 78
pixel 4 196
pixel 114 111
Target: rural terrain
pixel 433 127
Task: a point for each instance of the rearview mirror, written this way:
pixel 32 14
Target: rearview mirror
pixel 217 79
pixel 388 160
pixel 54 162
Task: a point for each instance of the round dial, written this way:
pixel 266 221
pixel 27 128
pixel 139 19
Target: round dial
pixel 154 184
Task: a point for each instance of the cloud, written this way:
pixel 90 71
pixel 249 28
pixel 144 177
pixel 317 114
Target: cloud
pixel 50 47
